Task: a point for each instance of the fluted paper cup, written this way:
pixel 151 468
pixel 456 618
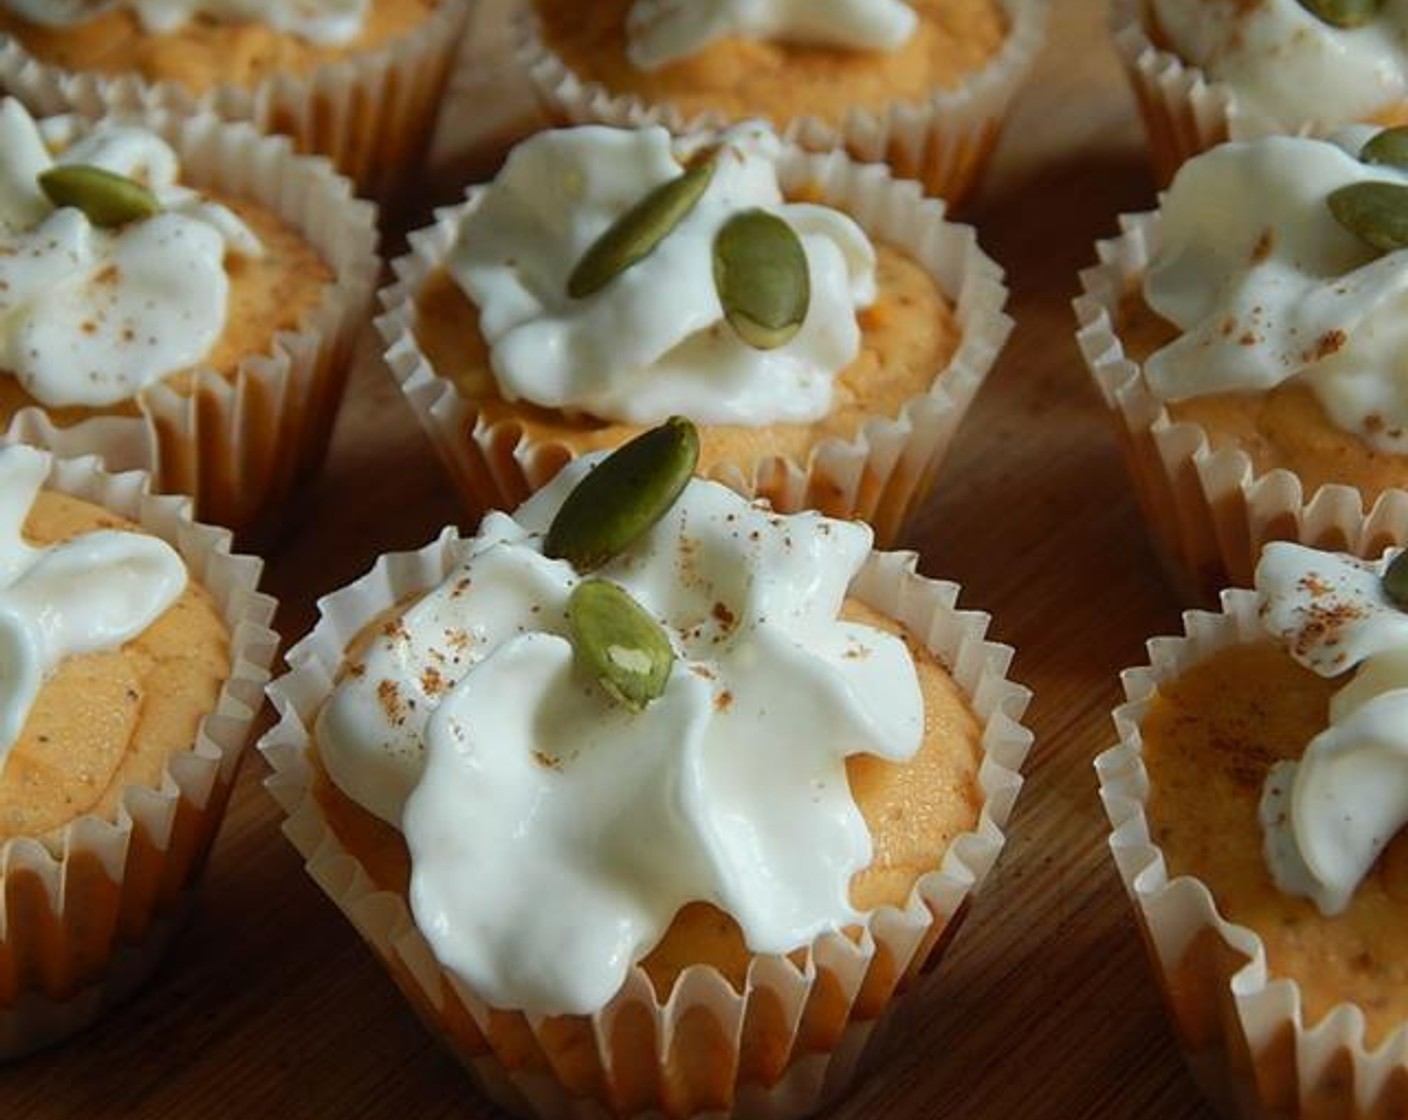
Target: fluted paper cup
pixel 880 475
pixel 1208 512
pixel 784 1045
pixel 87 910
pixel 942 141
pixel 372 113
pixel 240 444
pixel 1184 112
pixel 1242 1029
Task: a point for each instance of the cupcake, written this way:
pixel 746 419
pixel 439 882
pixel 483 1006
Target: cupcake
pixel 136 648
pixel 1206 71
pixel 921 85
pixel 178 296
pixel 358 81
pixel 648 797
pixel 822 323
pixel 1258 806
pixel 1245 339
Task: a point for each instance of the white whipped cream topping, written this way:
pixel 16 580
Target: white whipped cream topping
pixel 91 593
pixel 1289 69
pixel 1265 285
pixel 323 22
pixel 554 834
pixel 1327 817
pixel 88 315
pixel 653 342
pixel 661 31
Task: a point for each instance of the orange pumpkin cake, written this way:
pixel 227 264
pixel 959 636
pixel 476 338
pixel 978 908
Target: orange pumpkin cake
pixel 696 892
pixel 134 645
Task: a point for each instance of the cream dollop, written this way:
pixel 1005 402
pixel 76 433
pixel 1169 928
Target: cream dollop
pixel 323 22
pixel 91 593
pixel 1265 285
pixel 553 833
pixel 653 342
pixel 1327 817
pixel 661 31
pixel 89 315
pixel 1289 69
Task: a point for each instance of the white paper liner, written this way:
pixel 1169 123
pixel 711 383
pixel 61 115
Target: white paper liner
pixel 240 444
pixel 942 141
pixel 1184 113
pixel 372 114
pixel 103 897
pixel 1209 513
pixel 1250 1049
pixel 880 475
pixel 902 941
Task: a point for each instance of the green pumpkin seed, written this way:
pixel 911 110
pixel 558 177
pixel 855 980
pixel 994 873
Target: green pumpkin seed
pixel 760 271
pixel 1389 148
pixel 634 235
pixel 107 198
pixel 1343 13
pixel 623 648
pixel 1376 213
pixel 627 493
pixel 1396 580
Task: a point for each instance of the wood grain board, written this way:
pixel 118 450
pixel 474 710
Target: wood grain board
pixel 270 1006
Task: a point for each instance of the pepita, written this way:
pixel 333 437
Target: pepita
pixel 634 235
pixel 621 646
pixel 1388 148
pixel 1396 580
pixel 1342 13
pixel 627 493
pixel 760 271
pixel 1376 213
pixel 105 197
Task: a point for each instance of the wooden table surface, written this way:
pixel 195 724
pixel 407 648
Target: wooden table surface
pixel 270 1006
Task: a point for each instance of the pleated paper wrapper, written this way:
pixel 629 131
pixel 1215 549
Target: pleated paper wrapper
pixel 1208 512
pixel 794 1038
pixel 1242 1030
pixel 880 475
pixel 372 113
pixel 240 445
pixel 942 141
pixel 86 911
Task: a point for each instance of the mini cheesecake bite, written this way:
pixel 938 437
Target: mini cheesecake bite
pixel 921 85
pixel 1260 809
pixel 132 642
pixel 658 766
pixel 610 278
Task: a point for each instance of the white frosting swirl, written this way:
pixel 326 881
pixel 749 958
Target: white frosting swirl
pixel 661 31
pixel 323 22
pixel 653 342
pixel 87 315
pixel 554 834
pixel 1266 285
pixel 1327 817
pixel 1289 69
pixel 91 593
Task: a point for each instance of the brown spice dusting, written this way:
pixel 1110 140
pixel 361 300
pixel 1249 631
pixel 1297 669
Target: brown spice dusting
pixel 723 616
pixel 1331 342
pixel 723 701
pixel 431 682
pixel 1262 249
pixel 1314 586
pixel 390 697
pixel 395 629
